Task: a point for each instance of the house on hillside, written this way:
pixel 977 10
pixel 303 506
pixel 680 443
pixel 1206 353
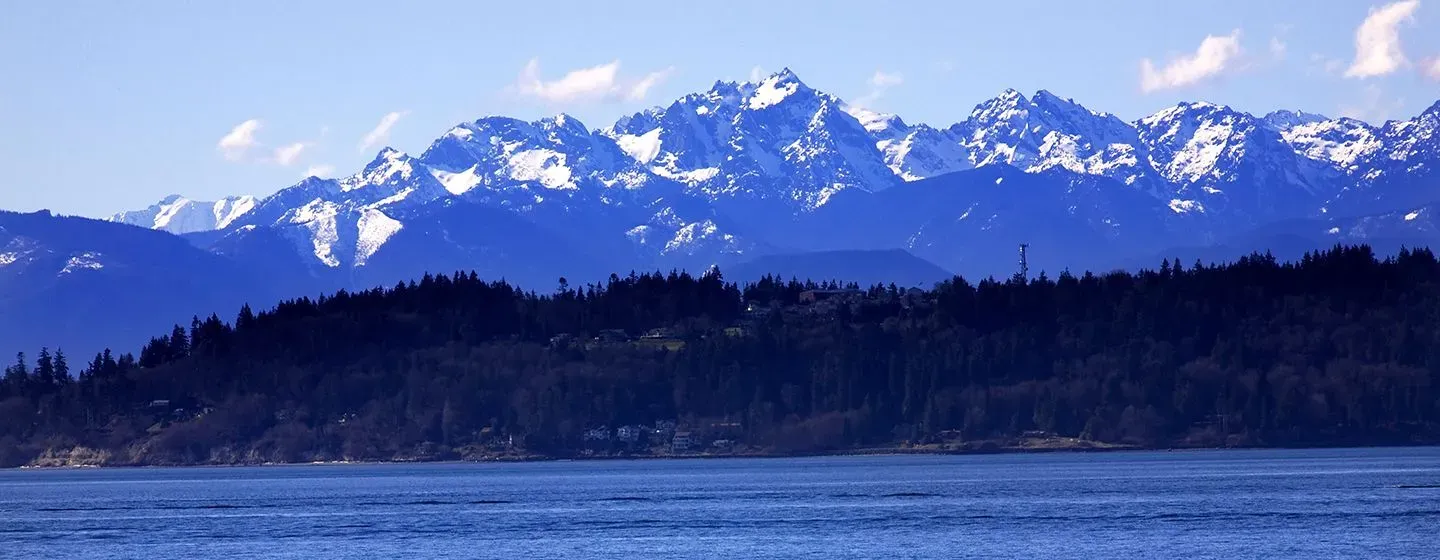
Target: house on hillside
pixel 682 442
pixel 914 297
pixel 629 434
pixel 660 333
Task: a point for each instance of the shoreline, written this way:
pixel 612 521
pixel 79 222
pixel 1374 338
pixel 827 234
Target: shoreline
pixel 859 452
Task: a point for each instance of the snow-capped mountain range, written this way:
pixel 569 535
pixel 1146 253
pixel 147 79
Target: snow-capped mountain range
pixel 748 173
pixel 754 168
pixel 733 172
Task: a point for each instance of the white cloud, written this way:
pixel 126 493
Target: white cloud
pixel 757 73
pixel 1431 68
pixel 381 132
pixel 1211 59
pixel 640 89
pixel 1374 107
pixel 239 141
pixel 1377 41
pixel 290 153
pixel 596 83
pixel 880 82
pixel 883 79
pixel 1277 49
pixel 320 170
pixel 1322 64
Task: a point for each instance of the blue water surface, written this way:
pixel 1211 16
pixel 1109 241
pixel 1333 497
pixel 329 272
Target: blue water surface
pixel 1338 503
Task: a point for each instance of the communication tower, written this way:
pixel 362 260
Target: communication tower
pixel 1024 263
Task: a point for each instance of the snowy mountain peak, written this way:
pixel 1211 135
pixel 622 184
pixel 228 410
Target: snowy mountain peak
pixel 386 154
pixel 179 215
pixel 1009 104
pixel 563 123
pixel 785 75
pixel 875 121
pixel 775 89
pixel 1286 119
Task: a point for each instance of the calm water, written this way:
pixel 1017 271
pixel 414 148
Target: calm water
pixel 1208 504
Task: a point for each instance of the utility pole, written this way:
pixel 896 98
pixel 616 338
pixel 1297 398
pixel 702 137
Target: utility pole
pixel 1024 275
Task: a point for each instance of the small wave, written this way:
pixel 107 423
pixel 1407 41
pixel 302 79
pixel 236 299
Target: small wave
pixel 909 495
pixel 692 498
pixel 627 498
pixel 491 502
pixel 205 506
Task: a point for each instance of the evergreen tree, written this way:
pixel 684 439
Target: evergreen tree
pixel 1338 348
pixel 44 369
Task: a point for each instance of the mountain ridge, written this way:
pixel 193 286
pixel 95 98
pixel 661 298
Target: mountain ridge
pixel 782 144
pixel 774 167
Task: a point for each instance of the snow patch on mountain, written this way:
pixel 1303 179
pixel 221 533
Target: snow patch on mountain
pixel 84 261
pixel 642 148
pixel 544 166
pixel 705 239
pixel 1343 143
pixel 375 228
pixel 459 183
pixel 319 221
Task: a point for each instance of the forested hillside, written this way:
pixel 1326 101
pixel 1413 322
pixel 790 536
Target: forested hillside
pixel 1339 348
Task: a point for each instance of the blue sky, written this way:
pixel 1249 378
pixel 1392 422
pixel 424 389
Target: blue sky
pixel 108 106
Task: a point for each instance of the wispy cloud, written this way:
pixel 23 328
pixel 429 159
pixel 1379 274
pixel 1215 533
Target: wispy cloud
pixel 1212 58
pixel 884 80
pixel 596 83
pixel 1377 40
pixel 638 90
pixel 1374 106
pixel 880 82
pixel 381 132
pixel 1431 68
pixel 235 145
pixel 1277 49
pixel 1278 46
pixel 1321 64
pixel 321 170
pixel 290 153
pixel 757 73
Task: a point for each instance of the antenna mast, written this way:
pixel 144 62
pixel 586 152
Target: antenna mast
pixel 1024 263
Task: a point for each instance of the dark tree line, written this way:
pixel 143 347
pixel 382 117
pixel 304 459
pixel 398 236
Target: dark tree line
pixel 1339 348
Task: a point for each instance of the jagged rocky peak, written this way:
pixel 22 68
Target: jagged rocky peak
pixel 774 90
pixel 1007 106
pixel 563 126
pixel 1286 119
